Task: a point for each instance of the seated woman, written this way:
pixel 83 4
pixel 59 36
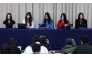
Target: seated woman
pixel 9 22
pixel 28 20
pixel 63 22
pixel 48 22
pixel 80 20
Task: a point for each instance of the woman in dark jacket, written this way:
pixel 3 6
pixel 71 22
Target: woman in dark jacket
pixel 80 21
pixel 45 42
pixel 9 22
pixel 48 45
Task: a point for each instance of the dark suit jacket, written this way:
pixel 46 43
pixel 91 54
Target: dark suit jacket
pixel 77 23
pixel 83 49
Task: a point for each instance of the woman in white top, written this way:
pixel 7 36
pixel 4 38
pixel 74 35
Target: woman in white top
pixel 28 20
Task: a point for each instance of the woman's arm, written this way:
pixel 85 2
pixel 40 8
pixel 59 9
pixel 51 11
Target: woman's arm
pixel 23 21
pixel 4 22
pixel 13 22
pixel 32 26
pixel 67 24
pixel 42 21
pixel 51 24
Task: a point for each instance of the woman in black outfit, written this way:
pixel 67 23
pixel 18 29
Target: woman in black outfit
pixel 9 22
pixel 80 20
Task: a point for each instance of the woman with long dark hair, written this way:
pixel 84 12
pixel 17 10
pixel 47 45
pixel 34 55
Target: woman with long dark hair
pixel 28 20
pixel 9 22
pixel 48 22
pixel 12 47
pixel 63 22
pixel 80 20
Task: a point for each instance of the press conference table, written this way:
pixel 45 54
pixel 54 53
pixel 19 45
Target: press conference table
pixel 57 37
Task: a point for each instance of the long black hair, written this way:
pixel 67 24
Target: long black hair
pixel 7 16
pixel 43 40
pixel 36 39
pixel 12 47
pixel 79 17
pixel 65 19
pixel 80 14
pixel 30 18
pixel 49 18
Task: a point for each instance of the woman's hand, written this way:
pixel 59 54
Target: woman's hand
pixel 62 21
pixel 27 27
pixel 66 25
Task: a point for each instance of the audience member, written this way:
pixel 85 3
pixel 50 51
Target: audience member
pixel 84 48
pixel 48 45
pixel 12 47
pixel 4 49
pixel 36 48
pixel 28 49
pixel 68 48
pixel 73 43
pixel 44 49
pixel 36 39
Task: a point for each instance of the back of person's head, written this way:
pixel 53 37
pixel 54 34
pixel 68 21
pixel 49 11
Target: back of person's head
pixel 84 39
pixel 43 39
pixel 36 48
pixel 36 39
pixel 69 41
pixel 12 46
pixel 12 42
pixel 4 49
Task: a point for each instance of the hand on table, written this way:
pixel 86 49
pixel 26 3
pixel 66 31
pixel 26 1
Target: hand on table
pixel 66 25
pixel 27 27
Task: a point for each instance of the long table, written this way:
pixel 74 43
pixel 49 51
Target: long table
pixel 57 37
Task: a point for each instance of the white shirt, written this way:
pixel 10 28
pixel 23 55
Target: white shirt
pixel 28 50
pixel 28 24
